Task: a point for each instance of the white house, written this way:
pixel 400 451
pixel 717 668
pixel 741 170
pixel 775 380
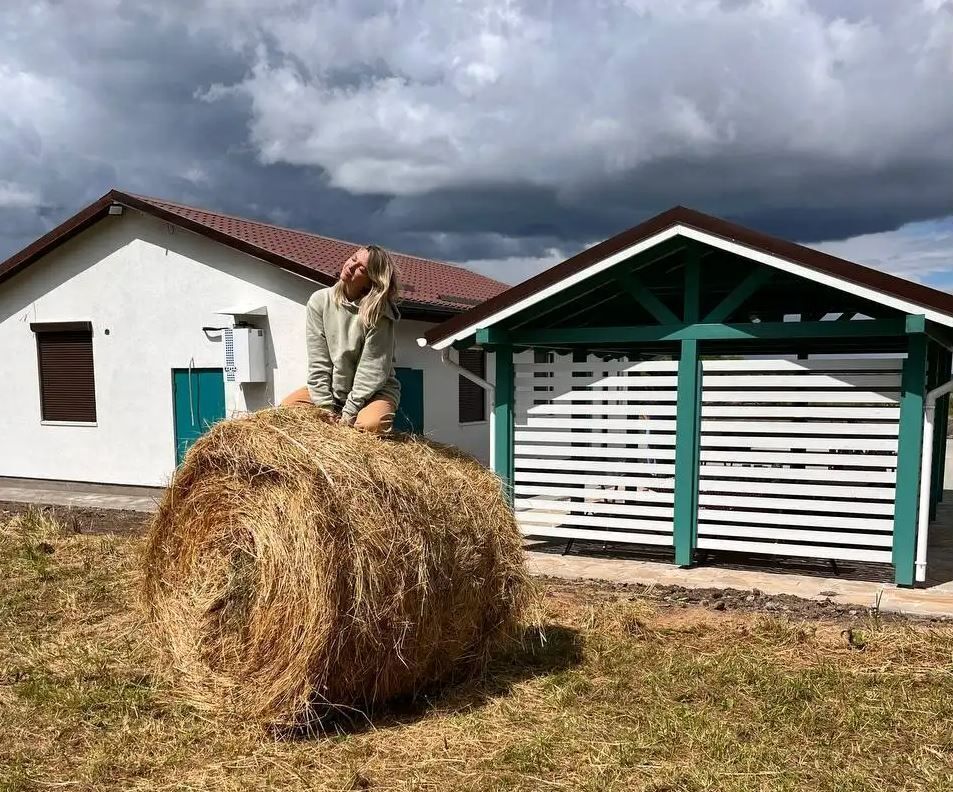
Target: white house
pixel 114 328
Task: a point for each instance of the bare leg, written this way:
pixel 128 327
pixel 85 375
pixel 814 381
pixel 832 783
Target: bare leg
pixel 297 398
pixel 377 416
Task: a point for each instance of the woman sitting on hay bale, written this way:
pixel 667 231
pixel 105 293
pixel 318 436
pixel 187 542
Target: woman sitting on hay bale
pixel 351 332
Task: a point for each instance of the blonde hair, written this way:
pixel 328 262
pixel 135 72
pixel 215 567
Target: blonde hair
pixel 385 286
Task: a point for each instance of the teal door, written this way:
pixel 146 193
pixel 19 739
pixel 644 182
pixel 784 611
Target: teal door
pixel 410 413
pixel 198 399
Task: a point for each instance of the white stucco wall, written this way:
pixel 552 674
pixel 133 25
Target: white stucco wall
pixel 153 287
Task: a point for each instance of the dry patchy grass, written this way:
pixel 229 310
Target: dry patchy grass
pixel 623 694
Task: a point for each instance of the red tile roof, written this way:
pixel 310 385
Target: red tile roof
pixel 429 285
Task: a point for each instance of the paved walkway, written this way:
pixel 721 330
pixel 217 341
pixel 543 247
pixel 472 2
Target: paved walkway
pixel 90 496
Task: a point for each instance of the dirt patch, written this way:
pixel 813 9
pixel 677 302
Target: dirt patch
pixel 81 519
pixel 734 600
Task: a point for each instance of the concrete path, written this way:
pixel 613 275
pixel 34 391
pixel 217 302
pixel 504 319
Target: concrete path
pixel 920 602
pixel 90 496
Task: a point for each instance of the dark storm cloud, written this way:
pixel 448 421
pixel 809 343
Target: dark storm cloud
pixel 482 131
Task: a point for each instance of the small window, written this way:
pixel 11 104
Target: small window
pixel 65 357
pixel 472 398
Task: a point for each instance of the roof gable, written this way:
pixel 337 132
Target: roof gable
pixel 806 262
pixel 428 286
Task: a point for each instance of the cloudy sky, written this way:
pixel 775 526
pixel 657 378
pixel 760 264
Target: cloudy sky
pixel 506 134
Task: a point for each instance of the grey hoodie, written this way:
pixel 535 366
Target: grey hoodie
pixel 348 365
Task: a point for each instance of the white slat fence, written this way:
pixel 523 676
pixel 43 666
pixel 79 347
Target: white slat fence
pixel 595 450
pixel 798 458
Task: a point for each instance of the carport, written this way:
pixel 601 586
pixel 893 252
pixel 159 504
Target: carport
pixel 694 385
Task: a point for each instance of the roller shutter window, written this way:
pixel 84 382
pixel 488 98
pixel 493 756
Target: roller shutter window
pixel 472 398
pixel 67 386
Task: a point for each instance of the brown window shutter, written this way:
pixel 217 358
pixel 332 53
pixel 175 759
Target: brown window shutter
pixel 472 398
pixel 67 387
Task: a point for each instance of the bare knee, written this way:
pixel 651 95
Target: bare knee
pixel 297 398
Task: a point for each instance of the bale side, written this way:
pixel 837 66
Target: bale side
pixel 295 564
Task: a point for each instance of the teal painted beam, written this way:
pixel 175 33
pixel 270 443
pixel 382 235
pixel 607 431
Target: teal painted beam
pixel 941 368
pixel 492 335
pixel 933 379
pixel 687 424
pixel 909 448
pixel 943 420
pixel 645 298
pixel 578 293
pixel 692 295
pixel 942 335
pixel 687 428
pixel 700 332
pixel 741 293
pixel 504 398
pixel 915 323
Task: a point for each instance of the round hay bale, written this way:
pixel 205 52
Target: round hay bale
pixel 296 565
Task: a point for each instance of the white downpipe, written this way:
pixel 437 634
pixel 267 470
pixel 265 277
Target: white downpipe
pixel 448 361
pixel 487 386
pixel 926 462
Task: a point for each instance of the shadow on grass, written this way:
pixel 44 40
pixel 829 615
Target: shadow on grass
pixel 540 652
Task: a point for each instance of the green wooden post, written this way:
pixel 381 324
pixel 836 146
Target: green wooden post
pixel 940 416
pixel 932 367
pixel 934 377
pixel 687 425
pixel 943 420
pixel 504 397
pixel 909 448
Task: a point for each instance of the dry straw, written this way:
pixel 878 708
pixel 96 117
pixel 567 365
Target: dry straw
pixel 295 565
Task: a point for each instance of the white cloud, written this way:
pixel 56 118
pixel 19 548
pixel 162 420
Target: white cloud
pixel 515 269
pixel 404 97
pixel 918 251
pixel 15 196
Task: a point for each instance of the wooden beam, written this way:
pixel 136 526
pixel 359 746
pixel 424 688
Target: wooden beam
pixel 566 318
pixel 943 419
pixel 493 335
pixel 909 447
pixel 940 374
pixel 699 332
pixel 687 427
pixel 942 335
pixel 580 290
pixel 504 398
pixel 645 298
pixel 741 293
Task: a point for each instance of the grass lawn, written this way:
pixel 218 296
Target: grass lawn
pixel 625 693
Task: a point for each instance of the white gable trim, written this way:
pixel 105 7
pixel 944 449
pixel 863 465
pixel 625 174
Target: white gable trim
pixel 818 277
pixel 555 288
pixel 713 241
